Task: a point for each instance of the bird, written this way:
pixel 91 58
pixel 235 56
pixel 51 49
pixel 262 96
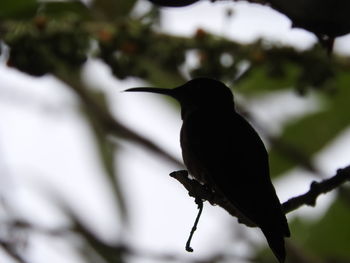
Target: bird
pixel 222 151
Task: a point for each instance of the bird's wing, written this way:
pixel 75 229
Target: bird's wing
pixel 234 160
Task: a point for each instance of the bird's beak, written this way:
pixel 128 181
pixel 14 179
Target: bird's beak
pixel 169 92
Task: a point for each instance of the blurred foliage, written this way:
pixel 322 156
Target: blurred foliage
pixel 329 236
pixel 21 9
pixel 57 37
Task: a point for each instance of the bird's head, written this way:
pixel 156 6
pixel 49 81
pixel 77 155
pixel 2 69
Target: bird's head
pixel 196 93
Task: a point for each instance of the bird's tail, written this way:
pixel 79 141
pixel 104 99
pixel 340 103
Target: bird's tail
pixel 275 239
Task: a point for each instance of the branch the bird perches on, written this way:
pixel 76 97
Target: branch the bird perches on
pixel 199 191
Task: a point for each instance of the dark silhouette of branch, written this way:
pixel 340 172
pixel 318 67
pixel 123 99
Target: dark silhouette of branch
pixel 316 189
pixel 197 190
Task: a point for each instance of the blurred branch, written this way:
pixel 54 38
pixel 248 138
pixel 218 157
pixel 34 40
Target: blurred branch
pixel 107 121
pixel 107 152
pixel 109 252
pixel 11 251
pixel 197 190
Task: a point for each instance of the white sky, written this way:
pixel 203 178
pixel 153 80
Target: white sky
pixel 44 141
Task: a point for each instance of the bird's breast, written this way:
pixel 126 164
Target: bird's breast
pixel 198 132
pixel 189 155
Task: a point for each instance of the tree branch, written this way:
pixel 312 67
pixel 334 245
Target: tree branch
pixel 197 190
pixel 316 189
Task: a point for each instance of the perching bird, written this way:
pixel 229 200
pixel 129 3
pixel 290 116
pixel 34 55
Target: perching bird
pixel 222 150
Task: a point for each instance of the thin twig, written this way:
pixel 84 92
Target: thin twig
pixel 199 202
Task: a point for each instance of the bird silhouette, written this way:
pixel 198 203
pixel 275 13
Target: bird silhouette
pixel 223 151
